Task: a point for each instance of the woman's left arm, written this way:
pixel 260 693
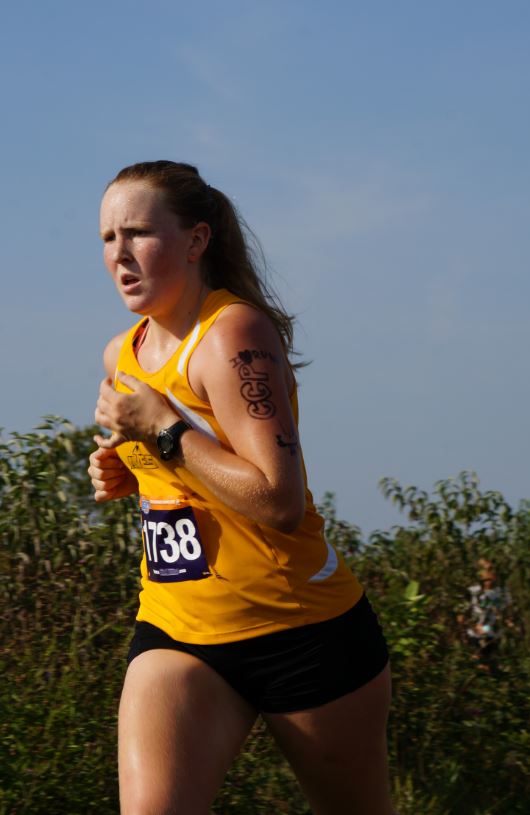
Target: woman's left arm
pixel 240 368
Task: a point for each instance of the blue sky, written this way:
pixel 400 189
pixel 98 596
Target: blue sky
pixel 380 152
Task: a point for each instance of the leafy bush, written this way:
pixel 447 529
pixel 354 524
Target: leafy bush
pixel 459 735
pixel 68 588
pixel 459 732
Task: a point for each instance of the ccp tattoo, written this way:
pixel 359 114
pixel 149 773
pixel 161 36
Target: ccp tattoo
pixel 255 389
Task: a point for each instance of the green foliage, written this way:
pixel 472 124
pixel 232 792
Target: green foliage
pixel 459 734
pixel 68 590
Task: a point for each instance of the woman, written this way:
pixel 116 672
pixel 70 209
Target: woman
pixel 244 608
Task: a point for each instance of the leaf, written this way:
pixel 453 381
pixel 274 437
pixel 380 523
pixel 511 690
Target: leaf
pixel 411 592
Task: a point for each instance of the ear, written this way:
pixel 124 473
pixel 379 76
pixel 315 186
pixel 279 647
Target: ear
pixel 199 240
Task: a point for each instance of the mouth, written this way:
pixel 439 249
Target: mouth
pixel 128 282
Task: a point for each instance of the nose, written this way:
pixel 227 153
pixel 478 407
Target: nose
pixel 120 249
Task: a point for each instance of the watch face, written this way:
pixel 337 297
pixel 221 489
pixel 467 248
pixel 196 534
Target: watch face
pixel 168 440
pixel 165 443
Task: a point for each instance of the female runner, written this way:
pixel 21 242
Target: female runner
pixel 244 609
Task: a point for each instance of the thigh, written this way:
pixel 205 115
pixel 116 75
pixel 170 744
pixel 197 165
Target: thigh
pixel 338 750
pixel 180 726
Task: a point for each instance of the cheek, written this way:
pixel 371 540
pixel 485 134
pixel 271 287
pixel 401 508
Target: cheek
pixel 163 264
pixel 107 259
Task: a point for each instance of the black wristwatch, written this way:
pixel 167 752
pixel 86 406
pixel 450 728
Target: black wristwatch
pixel 168 440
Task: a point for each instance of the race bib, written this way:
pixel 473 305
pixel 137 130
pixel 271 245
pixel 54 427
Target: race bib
pixel 172 543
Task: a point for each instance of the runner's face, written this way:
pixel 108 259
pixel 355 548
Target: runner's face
pixel 146 250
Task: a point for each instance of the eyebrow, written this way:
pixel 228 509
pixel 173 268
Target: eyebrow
pixel 128 228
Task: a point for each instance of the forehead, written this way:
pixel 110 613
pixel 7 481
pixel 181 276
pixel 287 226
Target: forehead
pixel 133 200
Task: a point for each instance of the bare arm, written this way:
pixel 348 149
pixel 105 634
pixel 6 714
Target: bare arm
pixel 241 369
pixel 112 352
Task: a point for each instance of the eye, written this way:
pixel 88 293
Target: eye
pixel 108 237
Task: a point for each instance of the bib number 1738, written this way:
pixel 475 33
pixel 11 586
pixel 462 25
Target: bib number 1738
pixel 173 547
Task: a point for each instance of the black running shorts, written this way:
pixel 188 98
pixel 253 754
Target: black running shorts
pixel 290 670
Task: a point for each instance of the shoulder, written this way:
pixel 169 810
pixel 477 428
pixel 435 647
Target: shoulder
pixel 112 352
pixel 243 331
pixel 240 321
pixel 241 334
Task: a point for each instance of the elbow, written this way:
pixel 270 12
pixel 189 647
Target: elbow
pixel 288 525
pixel 287 517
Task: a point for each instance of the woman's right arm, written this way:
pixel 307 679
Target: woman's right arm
pixel 110 477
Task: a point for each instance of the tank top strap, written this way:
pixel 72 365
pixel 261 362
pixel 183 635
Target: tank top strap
pixel 127 352
pixel 213 306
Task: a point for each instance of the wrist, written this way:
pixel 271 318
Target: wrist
pixel 168 440
pixel 162 421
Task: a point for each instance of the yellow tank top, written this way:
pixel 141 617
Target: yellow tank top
pixel 208 573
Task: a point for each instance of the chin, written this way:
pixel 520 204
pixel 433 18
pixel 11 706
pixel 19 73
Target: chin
pixel 136 305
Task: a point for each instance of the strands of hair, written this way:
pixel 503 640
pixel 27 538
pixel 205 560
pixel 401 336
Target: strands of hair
pixel 234 259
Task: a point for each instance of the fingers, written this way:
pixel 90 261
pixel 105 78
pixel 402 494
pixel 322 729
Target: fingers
pixel 110 442
pixel 106 393
pixel 100 415
pixel 109 489
pixel 105 468
pixel 106 484
pixel 114 409
pixel 130 381
pixel 106 473
pixel 106 385
pixel 103 456
pixel 100 496
pixel 136 415
pixel 107 403
pixel 103 461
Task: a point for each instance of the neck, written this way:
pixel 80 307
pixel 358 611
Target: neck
pixel 165 329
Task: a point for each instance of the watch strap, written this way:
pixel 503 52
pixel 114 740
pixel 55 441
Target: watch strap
pixel 168 440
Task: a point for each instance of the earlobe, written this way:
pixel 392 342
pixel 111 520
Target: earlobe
pixel 195 251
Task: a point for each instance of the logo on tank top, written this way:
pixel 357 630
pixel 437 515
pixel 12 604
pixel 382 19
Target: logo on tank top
pixel 141 461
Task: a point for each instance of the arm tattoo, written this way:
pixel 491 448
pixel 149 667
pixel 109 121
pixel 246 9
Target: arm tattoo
pixel 288 438
pixel 249 355
pixel 255 389
pixel 291 445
